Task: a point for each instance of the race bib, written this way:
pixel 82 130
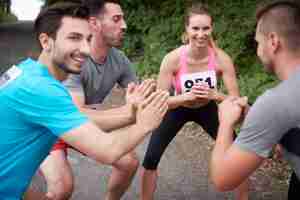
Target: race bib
pixel 10 75
pixel 189 80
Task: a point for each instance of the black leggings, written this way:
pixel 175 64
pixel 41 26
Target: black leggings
pixel 294 187
pixel 206 116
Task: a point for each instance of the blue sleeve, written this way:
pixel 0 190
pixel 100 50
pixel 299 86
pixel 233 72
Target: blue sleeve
pixel 49 105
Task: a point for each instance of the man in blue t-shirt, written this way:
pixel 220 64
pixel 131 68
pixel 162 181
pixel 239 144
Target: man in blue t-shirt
pixel 104 68
pixel 36 109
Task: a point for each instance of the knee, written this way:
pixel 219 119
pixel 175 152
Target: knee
pixel 132 162
pixel 60 188
pixel 129 163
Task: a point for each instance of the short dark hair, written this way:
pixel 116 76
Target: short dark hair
pixel 282 17
pixel 50 18
pixel 97 6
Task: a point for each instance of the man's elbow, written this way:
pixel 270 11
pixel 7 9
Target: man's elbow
pixel 221 184
pixel 110 158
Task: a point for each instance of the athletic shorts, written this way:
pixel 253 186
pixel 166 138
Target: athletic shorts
pixel 60 145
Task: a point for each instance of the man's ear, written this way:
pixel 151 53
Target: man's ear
pixel 46 42
pixel 94 23
pixel 275 42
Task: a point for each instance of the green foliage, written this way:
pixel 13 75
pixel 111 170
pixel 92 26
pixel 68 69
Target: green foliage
pixel 155 28
pixel 152 31
pixel 4 17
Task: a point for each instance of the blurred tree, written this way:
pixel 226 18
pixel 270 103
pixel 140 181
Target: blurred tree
pixel 5 5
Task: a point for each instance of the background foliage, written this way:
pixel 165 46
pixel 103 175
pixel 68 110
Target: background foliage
pixel 5 13
pixel 155 28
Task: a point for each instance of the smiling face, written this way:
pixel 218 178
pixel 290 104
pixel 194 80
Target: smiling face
pixel 113 25
pixel 71 46
pixel 199 29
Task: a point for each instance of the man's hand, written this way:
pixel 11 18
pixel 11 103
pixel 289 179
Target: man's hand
pixel 137 93
pixel 152 110
pixel 231 109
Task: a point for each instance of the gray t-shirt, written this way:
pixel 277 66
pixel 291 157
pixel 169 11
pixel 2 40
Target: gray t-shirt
pixel 270 118
pixel 97 80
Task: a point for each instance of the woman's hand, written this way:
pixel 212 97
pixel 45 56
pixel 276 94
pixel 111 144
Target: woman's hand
pixel 203 91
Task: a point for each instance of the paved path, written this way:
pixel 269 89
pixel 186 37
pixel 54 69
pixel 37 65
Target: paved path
pixel 183 170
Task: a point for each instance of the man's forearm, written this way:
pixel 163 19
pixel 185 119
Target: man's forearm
pixel 32 194
pixel 104 147
pixel 111 119
pixel 126 140
pixel 223 143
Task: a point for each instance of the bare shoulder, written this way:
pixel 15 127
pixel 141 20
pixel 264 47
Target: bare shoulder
pixel 171 60
pixel 223 59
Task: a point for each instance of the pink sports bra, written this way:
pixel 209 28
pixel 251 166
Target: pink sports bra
pixel 207 76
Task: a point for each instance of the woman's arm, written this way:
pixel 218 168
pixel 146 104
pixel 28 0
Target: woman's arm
pixel 168 68
pixel 228 73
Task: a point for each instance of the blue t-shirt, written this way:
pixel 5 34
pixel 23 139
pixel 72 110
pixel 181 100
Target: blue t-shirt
pixel 35 110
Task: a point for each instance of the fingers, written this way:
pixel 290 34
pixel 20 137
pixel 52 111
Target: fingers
pixel 242 102
pixel 131 87
pixel 161 101
pixel 164 108
pixel 200 92
pixel 157 100
pixel 201 86
pixel 149 99
pixel 203 91
pixel 147 87
pixel 230 99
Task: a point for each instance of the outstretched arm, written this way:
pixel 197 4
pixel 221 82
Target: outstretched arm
pixel 119 117
pixel 232 163
pixel 108 148
pixel 228 73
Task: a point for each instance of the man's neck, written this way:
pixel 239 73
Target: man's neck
pixel 55 71
pixel 99 50
pixel 287 65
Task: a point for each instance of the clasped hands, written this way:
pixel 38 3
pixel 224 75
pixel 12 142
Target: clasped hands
pixel 232 110
pixel 199 93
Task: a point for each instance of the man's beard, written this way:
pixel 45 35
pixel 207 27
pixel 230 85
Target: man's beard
pixel 68 70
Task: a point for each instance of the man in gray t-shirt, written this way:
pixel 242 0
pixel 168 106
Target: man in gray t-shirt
pixel 97 80
pixel 274 113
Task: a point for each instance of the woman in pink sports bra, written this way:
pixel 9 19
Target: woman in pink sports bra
pixel 192 71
